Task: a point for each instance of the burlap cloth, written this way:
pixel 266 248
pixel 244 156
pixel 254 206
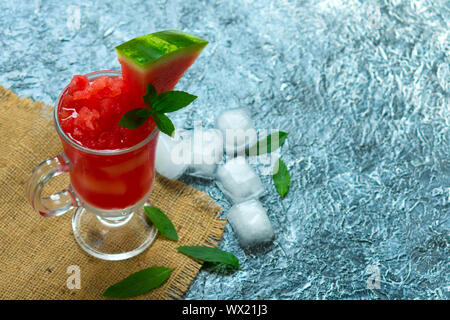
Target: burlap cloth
pixel 35 252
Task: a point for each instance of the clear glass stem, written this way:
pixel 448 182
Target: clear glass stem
pixel 116 221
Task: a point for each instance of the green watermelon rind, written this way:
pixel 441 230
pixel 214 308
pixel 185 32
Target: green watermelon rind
pixel 145 51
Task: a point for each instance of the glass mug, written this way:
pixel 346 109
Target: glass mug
pixel 108 188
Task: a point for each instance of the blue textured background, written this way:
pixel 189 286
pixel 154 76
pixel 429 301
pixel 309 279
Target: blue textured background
pixel 363 88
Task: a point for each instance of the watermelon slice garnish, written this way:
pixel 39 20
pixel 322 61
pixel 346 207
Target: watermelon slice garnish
pixel 159 59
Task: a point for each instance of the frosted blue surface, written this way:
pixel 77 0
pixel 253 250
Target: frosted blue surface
pixel 363 89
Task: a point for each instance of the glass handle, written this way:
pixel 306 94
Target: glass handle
pixel 57 203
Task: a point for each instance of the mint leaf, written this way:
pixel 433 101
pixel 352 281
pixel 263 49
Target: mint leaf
pixel 162 222
pixel 210 254
pixel 150 95
pixel 281 178
pixel 268 144
pixel 164 124
pixel 134 118
pixel 171 101
pixel 139 283
pixel 143 112
pixel 158 104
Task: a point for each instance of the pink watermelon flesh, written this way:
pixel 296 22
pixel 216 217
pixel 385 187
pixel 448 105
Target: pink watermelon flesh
pixel 163 76
pixel 160 59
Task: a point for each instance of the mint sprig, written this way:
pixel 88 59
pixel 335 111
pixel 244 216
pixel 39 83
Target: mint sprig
pixel 158 105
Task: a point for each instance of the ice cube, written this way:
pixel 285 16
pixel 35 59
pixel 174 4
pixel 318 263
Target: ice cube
pixel 172 156
pixel 237 129
pixel 207 152
pixel 250 223
pixel 239 181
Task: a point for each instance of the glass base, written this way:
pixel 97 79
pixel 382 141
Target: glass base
pixel 113 238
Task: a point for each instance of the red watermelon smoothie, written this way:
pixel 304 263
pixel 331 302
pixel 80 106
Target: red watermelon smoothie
pixel 112 167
